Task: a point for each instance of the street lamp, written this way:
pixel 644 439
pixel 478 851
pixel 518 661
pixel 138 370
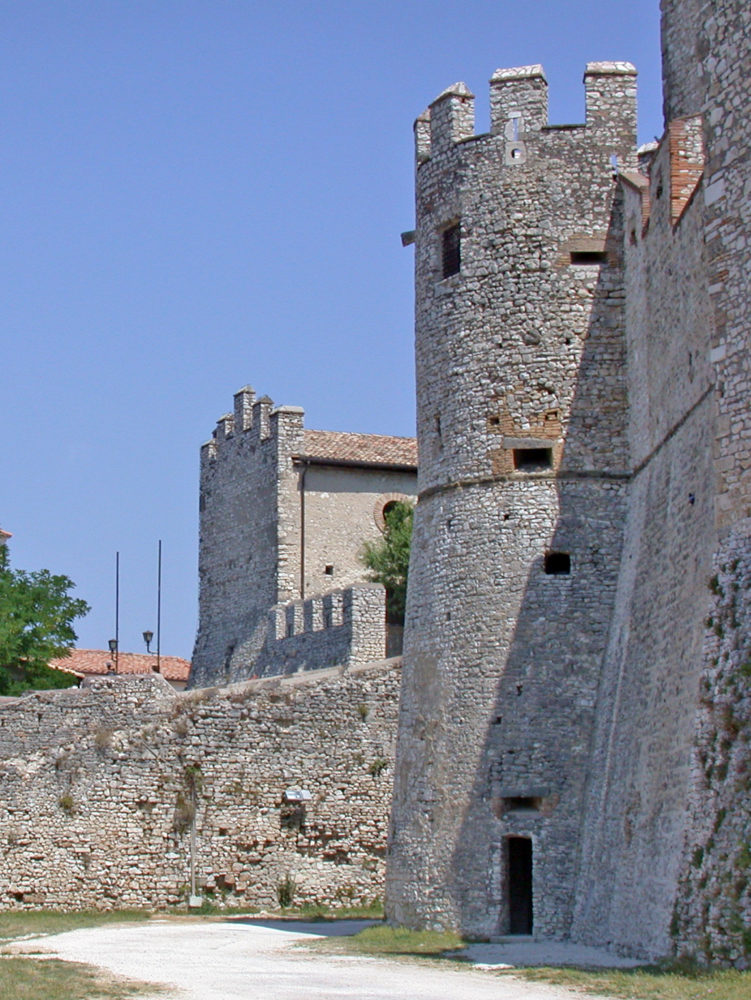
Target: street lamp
pixel 148 635
pixel 112 643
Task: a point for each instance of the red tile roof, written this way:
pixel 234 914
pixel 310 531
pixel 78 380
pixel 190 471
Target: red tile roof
pixel 367 449
pixel 91 662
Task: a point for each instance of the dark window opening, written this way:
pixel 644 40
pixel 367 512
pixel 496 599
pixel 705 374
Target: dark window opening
pixel 329 569
pixel 588 256
pixel 521 803
pixel 388 507
pixel 290 629
pixel 451 250
pixel 557 563
pixel 533 459
pixel 519 874
pixel 494 421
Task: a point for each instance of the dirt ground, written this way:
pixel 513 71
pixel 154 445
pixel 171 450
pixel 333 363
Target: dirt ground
pixel 259 960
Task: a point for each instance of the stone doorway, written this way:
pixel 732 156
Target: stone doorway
pixel 519 882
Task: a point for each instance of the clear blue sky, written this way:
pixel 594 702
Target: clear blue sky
pixel 199 194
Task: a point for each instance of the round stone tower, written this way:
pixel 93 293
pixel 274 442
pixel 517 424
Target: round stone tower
pixel 522 476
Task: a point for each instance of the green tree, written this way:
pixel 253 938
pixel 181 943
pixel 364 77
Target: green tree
pixel 36 625
pixel 388 558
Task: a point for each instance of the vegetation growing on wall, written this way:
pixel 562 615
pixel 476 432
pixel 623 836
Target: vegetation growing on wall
pixel 713 911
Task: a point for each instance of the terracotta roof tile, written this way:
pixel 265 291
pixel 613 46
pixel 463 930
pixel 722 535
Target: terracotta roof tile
pixel 370 449
pixel 91 662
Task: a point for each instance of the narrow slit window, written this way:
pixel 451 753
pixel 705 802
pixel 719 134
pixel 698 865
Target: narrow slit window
pixel 557 563
pixel 533 459
pixel 451 257
pixel 588 256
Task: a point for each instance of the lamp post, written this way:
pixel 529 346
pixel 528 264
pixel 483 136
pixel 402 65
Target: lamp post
pixel 113 644
pixel 148 636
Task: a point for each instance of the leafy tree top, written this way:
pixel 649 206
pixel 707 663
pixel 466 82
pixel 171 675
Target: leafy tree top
pixel 388 558
pixel 37 613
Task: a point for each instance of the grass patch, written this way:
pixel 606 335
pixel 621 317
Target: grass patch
pixel 649 982
pixel 373 911
pixel 29 923
pixel 53 979
pixel 383 939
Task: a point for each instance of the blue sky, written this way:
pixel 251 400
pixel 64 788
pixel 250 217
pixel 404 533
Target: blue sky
pixel 199 195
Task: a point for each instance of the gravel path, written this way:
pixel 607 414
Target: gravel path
pixel 253 960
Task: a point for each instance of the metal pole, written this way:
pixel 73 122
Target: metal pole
pixel 117 611
pixel 193 847
pixel 159 607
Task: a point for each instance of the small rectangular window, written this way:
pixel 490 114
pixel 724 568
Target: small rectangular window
pixel 533 459
pixel 451 250
pixel 588 256
pixel 522 803
pixel 557 563
pixel 329 569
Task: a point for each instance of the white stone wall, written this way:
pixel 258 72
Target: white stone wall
pixel 96 786
pixel 632 724
pixel 523 348
pixel 266 517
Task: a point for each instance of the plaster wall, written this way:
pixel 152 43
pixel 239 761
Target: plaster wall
pixel 342 512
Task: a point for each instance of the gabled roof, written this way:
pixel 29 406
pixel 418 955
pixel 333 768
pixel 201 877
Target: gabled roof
pixel 97 662
pixel 340 447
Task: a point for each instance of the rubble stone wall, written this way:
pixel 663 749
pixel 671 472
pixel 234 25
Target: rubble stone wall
pixel 520 359
pixel 100 786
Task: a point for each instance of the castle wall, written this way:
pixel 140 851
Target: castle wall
pixel 713 908
pixel 244 545
pixel 640 772
pixel 521 349
pixel 339 628
pixel 684 43
pixel 97 786
pixel 668 831
pixel 270 515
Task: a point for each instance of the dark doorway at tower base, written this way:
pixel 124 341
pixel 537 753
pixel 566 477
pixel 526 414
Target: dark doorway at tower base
pixel 519 876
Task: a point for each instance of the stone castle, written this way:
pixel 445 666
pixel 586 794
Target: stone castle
pixel 572 755
pixel 284 514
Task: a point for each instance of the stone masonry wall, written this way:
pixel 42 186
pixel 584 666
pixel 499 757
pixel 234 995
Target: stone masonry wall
pixel 268 519
pixel 712 915
pixel 340 628
pixel 99 787
pixel 521 350
pixel 244 544
pixel 668 828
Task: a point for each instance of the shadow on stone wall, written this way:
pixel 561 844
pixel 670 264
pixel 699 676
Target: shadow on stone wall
pixel 536 749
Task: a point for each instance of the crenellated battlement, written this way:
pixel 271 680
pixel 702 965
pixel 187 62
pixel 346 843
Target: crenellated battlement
pixel 256 421
pixel 519 99
pixel 519 106
pixel 338 628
